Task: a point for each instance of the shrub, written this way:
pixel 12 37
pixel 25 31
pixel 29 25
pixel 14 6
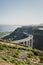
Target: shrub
pixel 17 52
pixel 41 56
pixel 30 54
pixel 37 52
pixel 2 47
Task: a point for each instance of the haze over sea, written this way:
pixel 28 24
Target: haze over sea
pixel 7 28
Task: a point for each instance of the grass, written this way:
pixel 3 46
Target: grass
pixel 11 54
pixel 30 54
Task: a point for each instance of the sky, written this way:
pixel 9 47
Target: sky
pixel 21 12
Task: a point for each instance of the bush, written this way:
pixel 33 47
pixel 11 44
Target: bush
pixel 30 54
pixel 17 52
pixel 41 56
pixel 37 52
pixel 2 47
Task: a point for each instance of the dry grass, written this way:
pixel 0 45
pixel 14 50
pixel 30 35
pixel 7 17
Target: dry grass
pixel 18 55
pixel 2 62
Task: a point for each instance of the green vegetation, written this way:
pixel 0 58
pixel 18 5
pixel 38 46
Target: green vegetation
pixel 20 55
pixel 30 54
pixel 41 57
pixel 3 33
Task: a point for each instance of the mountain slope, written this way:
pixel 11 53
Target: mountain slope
pixel 20 33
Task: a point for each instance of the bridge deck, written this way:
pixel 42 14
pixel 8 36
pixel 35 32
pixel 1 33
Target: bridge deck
pixel 25 39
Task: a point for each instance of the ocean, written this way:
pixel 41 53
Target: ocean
pixel 7 28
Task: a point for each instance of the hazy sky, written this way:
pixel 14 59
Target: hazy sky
pixel 21 12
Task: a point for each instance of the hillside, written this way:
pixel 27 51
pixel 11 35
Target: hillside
pixel 12 54
pixel 4 33
pixel 19 33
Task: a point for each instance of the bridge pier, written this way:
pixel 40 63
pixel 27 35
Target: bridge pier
pixel 29 43
pixel 26 42
pixel 32 43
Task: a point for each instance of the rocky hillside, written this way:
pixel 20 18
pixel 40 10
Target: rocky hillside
pixel 12 54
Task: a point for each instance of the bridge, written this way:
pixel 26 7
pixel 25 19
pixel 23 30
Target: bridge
pixel 26 41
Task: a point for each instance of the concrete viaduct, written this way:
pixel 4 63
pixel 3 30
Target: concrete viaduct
pixel 26 41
